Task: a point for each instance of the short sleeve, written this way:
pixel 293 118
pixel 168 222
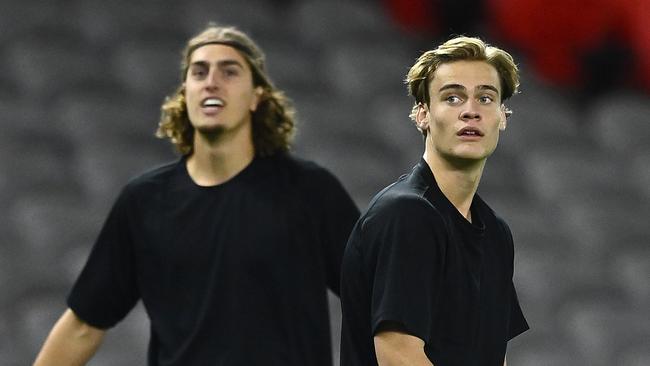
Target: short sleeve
pixel 338 214
pixel 409 245
pixel 518 323
pixel 106 289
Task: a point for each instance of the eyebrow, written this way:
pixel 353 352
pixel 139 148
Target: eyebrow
pixel 222 63
pixel 461 87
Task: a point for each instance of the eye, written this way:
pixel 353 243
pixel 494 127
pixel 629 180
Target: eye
pixel 230 72
pixel 453 99
pixel 198 72
pixel 485 99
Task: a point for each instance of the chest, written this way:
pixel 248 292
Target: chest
pixel 475 288
pixel 247 230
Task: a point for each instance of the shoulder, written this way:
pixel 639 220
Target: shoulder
pixel 305 172
pixel 401 197
pixel 399 204
pixel 300 165
pixel 157 176
pixel 401 220
pixel 503 225
pixel 395 199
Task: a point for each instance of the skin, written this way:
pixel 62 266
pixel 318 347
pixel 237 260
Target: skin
pixel 223 142
pixel 71 342
pixel 463 94
pixel 396 348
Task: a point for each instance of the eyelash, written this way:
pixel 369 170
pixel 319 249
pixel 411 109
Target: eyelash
pixel 481 99
pixel 200 73
pixel 450 97
pixel 230 72
pixel 487 97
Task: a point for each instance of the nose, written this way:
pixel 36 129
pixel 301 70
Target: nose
pixel 470 112
pixel 213 80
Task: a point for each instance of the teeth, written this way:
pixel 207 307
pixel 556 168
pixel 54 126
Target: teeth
pixel 470 133
pixel 213 102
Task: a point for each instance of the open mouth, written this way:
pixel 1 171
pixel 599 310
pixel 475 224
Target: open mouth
pixel 212 102
pixel 469 131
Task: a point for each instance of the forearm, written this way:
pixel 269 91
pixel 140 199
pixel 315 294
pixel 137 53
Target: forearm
pixel 402 358
pixel 70 343
pixel 399 349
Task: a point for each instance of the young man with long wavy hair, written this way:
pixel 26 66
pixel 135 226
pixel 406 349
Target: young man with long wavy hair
pixel 231 248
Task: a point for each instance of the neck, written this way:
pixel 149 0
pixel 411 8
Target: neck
pixel 458 180
pixel 217 158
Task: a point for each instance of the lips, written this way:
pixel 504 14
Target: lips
pixel 470 132
pixel 211 106
pixel 212 102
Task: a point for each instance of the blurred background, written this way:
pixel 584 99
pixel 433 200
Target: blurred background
pixel 82 81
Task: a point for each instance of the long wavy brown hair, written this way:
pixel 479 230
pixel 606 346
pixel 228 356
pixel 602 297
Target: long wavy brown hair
pixel 273 120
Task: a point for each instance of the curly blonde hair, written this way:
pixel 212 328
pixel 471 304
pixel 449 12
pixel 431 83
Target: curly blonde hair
pixel 273 120
pixel 460 49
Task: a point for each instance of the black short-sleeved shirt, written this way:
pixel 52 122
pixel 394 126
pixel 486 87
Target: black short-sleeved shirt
pixel 234 274
pixel 413 259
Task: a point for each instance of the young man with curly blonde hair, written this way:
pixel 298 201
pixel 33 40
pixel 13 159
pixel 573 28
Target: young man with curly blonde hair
pixel 232 248
pixel 427 272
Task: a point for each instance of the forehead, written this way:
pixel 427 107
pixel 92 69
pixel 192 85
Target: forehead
pixel 214 53
pixel 466 73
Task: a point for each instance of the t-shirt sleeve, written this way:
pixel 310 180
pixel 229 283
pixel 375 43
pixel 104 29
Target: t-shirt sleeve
pixel 518 323
pixel 338 214
pixel 106 289
pixel 408 245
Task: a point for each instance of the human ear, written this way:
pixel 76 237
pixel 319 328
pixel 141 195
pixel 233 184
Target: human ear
pixel 503 124
pixel 257 98
pixel 422 117
pixel 503 117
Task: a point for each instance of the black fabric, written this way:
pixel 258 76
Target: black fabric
pixel 234 274
pixel 414 260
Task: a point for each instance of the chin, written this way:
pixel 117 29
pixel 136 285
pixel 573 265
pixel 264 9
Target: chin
pixel 467 158
pixel 474 153
pixel 469 154
pixel 210 130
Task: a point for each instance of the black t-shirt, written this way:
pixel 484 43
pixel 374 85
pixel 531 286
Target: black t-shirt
pixel 234 274
pixel 413 259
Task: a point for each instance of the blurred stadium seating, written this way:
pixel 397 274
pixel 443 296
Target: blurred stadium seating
pixel 80 91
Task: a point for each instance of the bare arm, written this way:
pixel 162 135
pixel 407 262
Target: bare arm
pixel 395 348
pixel 71 342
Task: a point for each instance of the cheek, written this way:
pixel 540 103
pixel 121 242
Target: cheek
pixel 494 140
pixel 191 104
pixel 190 97
pixel 441 125
pixel 247 98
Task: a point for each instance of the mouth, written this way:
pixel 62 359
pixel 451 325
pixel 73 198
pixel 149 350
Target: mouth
pixel 469 132
pixel 212 102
